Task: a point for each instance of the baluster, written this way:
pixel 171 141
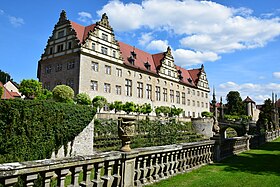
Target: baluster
pixel 61 175
pixel 195 156
pixel 108 178
pixel 97 182
pixel 137 176
pixel 172 164
pixel 167 165
pixel 9 182
pixel 199 155
pixel 191 157
pixel 86 175
pixel 162 166
pixel 144 171
pixel 177 162
pixel 203 148
pixel 47 178
pixel 184 161
pixel 116 172
pixel 157 167
pixel 151 168
pixel 75 172
pixel 29 179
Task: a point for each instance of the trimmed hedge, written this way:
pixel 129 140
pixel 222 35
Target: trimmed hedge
pixel 31 130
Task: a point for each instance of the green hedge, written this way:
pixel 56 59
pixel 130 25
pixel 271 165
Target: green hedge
pixel 31 130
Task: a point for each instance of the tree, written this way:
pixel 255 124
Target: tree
pixel 129 107
pixel 99 102
pixel 83 99
pixel 176 111
pixel 4 77
pixel 235 106
pixel 30 88
pixel 165 110
pixel 45 95
pixel 1 91
pixel 117 105
pixel 265 114
pixel 207 114
pixel 63 93
pixel 146 108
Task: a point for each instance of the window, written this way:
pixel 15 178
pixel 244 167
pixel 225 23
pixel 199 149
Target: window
pixel 183 98
pixel 119 72
pixel 198 93
pixel 149 91
pixel 51 51
pixel 58 67
pixel 165 94
pixel 94 66
pixel 93 46
pixel 70 82
pixel 193 114
pixel 202 94
pixel 206 95
pixel 59 48
pixel 107 88
pixel 128 87
pixel 94 85
pixel 104 50
pixel 139 89
pixel 172 96
pixel 48 69
pixel 108 70
pixel 202 104
pixel 169 72
pixel 157 93
pixel 118 90
pixel 60 34
pixel 71 65
pixel 189 102
pixel 69 45
pixel 189 91
pixel 104 36
pixel 197 104
pixel 193 92
pixel 47 85
pixel 206 105
pixel 177 97
pixel 193 103
pixel 114 54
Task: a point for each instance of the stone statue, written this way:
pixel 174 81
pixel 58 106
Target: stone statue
pixel 216 128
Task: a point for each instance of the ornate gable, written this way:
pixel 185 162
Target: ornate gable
pixel 202 81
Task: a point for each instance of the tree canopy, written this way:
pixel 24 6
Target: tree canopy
pixel 99 102
pixel 63 93
pixel 235 106
pixel 4 77
pixel 1 91
pixel 30 88
pixel 83 99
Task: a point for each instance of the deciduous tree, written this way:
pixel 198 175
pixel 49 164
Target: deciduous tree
pixel 99 102
pixel 235 106
pixel 63 93
pixel 30 88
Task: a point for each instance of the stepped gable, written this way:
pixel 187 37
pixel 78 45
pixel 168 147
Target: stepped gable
pixel 157 59
pixel 141 58
pixel 82 31
pixel 185 76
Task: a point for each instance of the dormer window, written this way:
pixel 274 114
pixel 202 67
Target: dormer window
pixel 131 60
pixel 190 80
pixel 133 54
pixel 180 72
pixel 180 77
pixel 147 65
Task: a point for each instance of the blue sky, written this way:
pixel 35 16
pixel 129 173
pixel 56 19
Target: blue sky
pixel 238 41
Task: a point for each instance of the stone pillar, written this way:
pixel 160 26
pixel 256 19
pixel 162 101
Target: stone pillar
pixel 128 168
pixel 217 147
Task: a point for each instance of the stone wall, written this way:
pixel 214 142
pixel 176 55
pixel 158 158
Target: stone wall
pixel 203 126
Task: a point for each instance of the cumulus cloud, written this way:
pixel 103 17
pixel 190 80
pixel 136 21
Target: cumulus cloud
pixel 145 38
pixel 226 30
pixel 258 92
pixel 85 17
pixel 276 75
pixel 158 45
pixel 16 22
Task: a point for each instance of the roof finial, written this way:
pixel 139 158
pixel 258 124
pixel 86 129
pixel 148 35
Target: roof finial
pixel 62 17
pixel 105 21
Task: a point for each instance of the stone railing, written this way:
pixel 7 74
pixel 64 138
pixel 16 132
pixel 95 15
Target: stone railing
pixel 231 146
pixel 111 169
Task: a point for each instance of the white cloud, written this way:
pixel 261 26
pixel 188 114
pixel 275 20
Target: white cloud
pixel 185 57
pixel 85 17
pixel 145 38
pixel 258 92
pixel 276 75
pixel 2 12
pixel 16 22
pixel 158 45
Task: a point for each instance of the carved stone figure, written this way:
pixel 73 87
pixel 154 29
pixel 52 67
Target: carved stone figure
pixel 216 128
pixel 126 128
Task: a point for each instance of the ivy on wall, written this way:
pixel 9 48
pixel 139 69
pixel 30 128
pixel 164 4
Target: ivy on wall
pixel 31 130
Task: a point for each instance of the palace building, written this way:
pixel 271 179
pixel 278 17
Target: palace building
pixel 90 60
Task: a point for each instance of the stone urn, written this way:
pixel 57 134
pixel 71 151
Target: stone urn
pixel 126 129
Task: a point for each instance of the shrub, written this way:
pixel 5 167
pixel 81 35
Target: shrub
pixel 83 99
pixel 207 114
pixel 99 102
pixel 30 88
pixel 63 93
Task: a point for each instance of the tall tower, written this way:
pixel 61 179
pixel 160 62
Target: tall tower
pixel 214 104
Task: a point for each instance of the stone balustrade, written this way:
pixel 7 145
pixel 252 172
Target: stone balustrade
pixel 112 169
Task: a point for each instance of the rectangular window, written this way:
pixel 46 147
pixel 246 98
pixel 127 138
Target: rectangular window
pixel 202 104
pixel 60 34
pixel 59 48
pixel 94 85
pixel 71 65
pixel 177 97
pixel 202 94
pixel 104 50
pixel 70 82
pixel 189 102
pixel 69 45
pixel 94 66
pixel 114 54
pixel 206 95
pixel 118 90
pixel 58 67
pixel 128 87
pixel 108 70
pixel 193 103
pixel 198 93
pixel 189 91
pixel 48 69
pixel 139 89
pixel 157 93
pixel 107 88
pixel 165 94
pixel 193 92
pixel 51 51
pixel 193 114
pixel 93 46
pixel 104 36
pixel 206 105
pixel 119 72
pixel 149 91
pixel 172 96
pixel 183 98
pixel 197 104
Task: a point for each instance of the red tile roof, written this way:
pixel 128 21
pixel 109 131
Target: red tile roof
pixel 195 75
pixel 157 59
pixel 82 31
pixel 248 100
pixel 7 94
pixel 186 75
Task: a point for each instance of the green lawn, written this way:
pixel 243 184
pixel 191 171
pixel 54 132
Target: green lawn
pixel 258 167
